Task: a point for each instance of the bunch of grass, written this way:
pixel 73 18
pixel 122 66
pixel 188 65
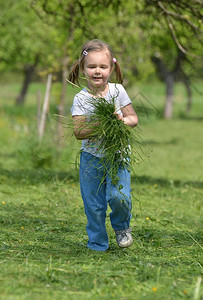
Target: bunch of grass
pixel 118 143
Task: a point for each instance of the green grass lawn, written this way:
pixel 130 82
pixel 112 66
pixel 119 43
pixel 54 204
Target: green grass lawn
pixel 43 252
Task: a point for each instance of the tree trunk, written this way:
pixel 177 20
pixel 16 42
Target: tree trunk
pixel 168 110
pixel 189 95
pixel 28 74
pixel 61 107
pixel 169 77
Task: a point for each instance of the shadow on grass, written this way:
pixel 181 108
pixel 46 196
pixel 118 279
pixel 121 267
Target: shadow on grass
pixel 8 155
pixel 163 182
pixel 191 118
pixel 38 176
pixel 34 177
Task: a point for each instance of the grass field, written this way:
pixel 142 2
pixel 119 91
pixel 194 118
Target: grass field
pixel 43 252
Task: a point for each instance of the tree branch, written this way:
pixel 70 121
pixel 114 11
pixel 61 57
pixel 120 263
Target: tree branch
pixel 170 25
pixel 182 17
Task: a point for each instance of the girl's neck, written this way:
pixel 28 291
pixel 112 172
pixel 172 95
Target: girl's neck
pixel 98 92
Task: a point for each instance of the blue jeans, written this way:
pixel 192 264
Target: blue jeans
pixel 97 195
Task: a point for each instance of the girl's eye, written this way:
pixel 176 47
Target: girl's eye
pixel 93 67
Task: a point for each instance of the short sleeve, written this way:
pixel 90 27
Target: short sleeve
pixel 77 108
pixel 123 96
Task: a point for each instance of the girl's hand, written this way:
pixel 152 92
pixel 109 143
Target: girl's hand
pixel 130 117
pixel 119 116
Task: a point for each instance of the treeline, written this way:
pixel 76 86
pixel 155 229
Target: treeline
pixel 148 37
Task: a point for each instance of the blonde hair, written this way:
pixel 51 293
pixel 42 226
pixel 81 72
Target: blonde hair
pixel 93 45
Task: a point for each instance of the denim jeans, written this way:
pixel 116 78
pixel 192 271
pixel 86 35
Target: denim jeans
pixel 96 196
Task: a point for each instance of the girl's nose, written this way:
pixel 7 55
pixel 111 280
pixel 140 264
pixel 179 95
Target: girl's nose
pixel 97 70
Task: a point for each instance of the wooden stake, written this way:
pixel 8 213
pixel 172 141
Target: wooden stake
pixel 38 108
pixel 45 107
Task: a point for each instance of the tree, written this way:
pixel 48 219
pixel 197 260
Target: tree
pixel 24 43
pixel 49 34
pixel 157 29
pixel 175 36
pixel 170 76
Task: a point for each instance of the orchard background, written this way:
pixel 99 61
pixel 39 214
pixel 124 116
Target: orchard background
pixel 43 252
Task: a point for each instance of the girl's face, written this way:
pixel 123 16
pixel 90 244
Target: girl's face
pixel 97 69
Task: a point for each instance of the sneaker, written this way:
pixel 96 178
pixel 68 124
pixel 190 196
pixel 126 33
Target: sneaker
pixel 124 238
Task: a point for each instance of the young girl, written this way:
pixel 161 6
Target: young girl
pixel 96 63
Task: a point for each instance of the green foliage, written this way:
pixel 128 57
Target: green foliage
pixel 47 31
pixel 23 38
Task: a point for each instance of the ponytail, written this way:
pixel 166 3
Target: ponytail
pixel 119 76
pixel 74 73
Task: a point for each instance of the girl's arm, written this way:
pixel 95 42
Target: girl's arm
pixel 130 117
pixel 80 128
pixel 82 131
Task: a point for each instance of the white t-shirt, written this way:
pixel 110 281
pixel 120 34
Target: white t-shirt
pixel 82 107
